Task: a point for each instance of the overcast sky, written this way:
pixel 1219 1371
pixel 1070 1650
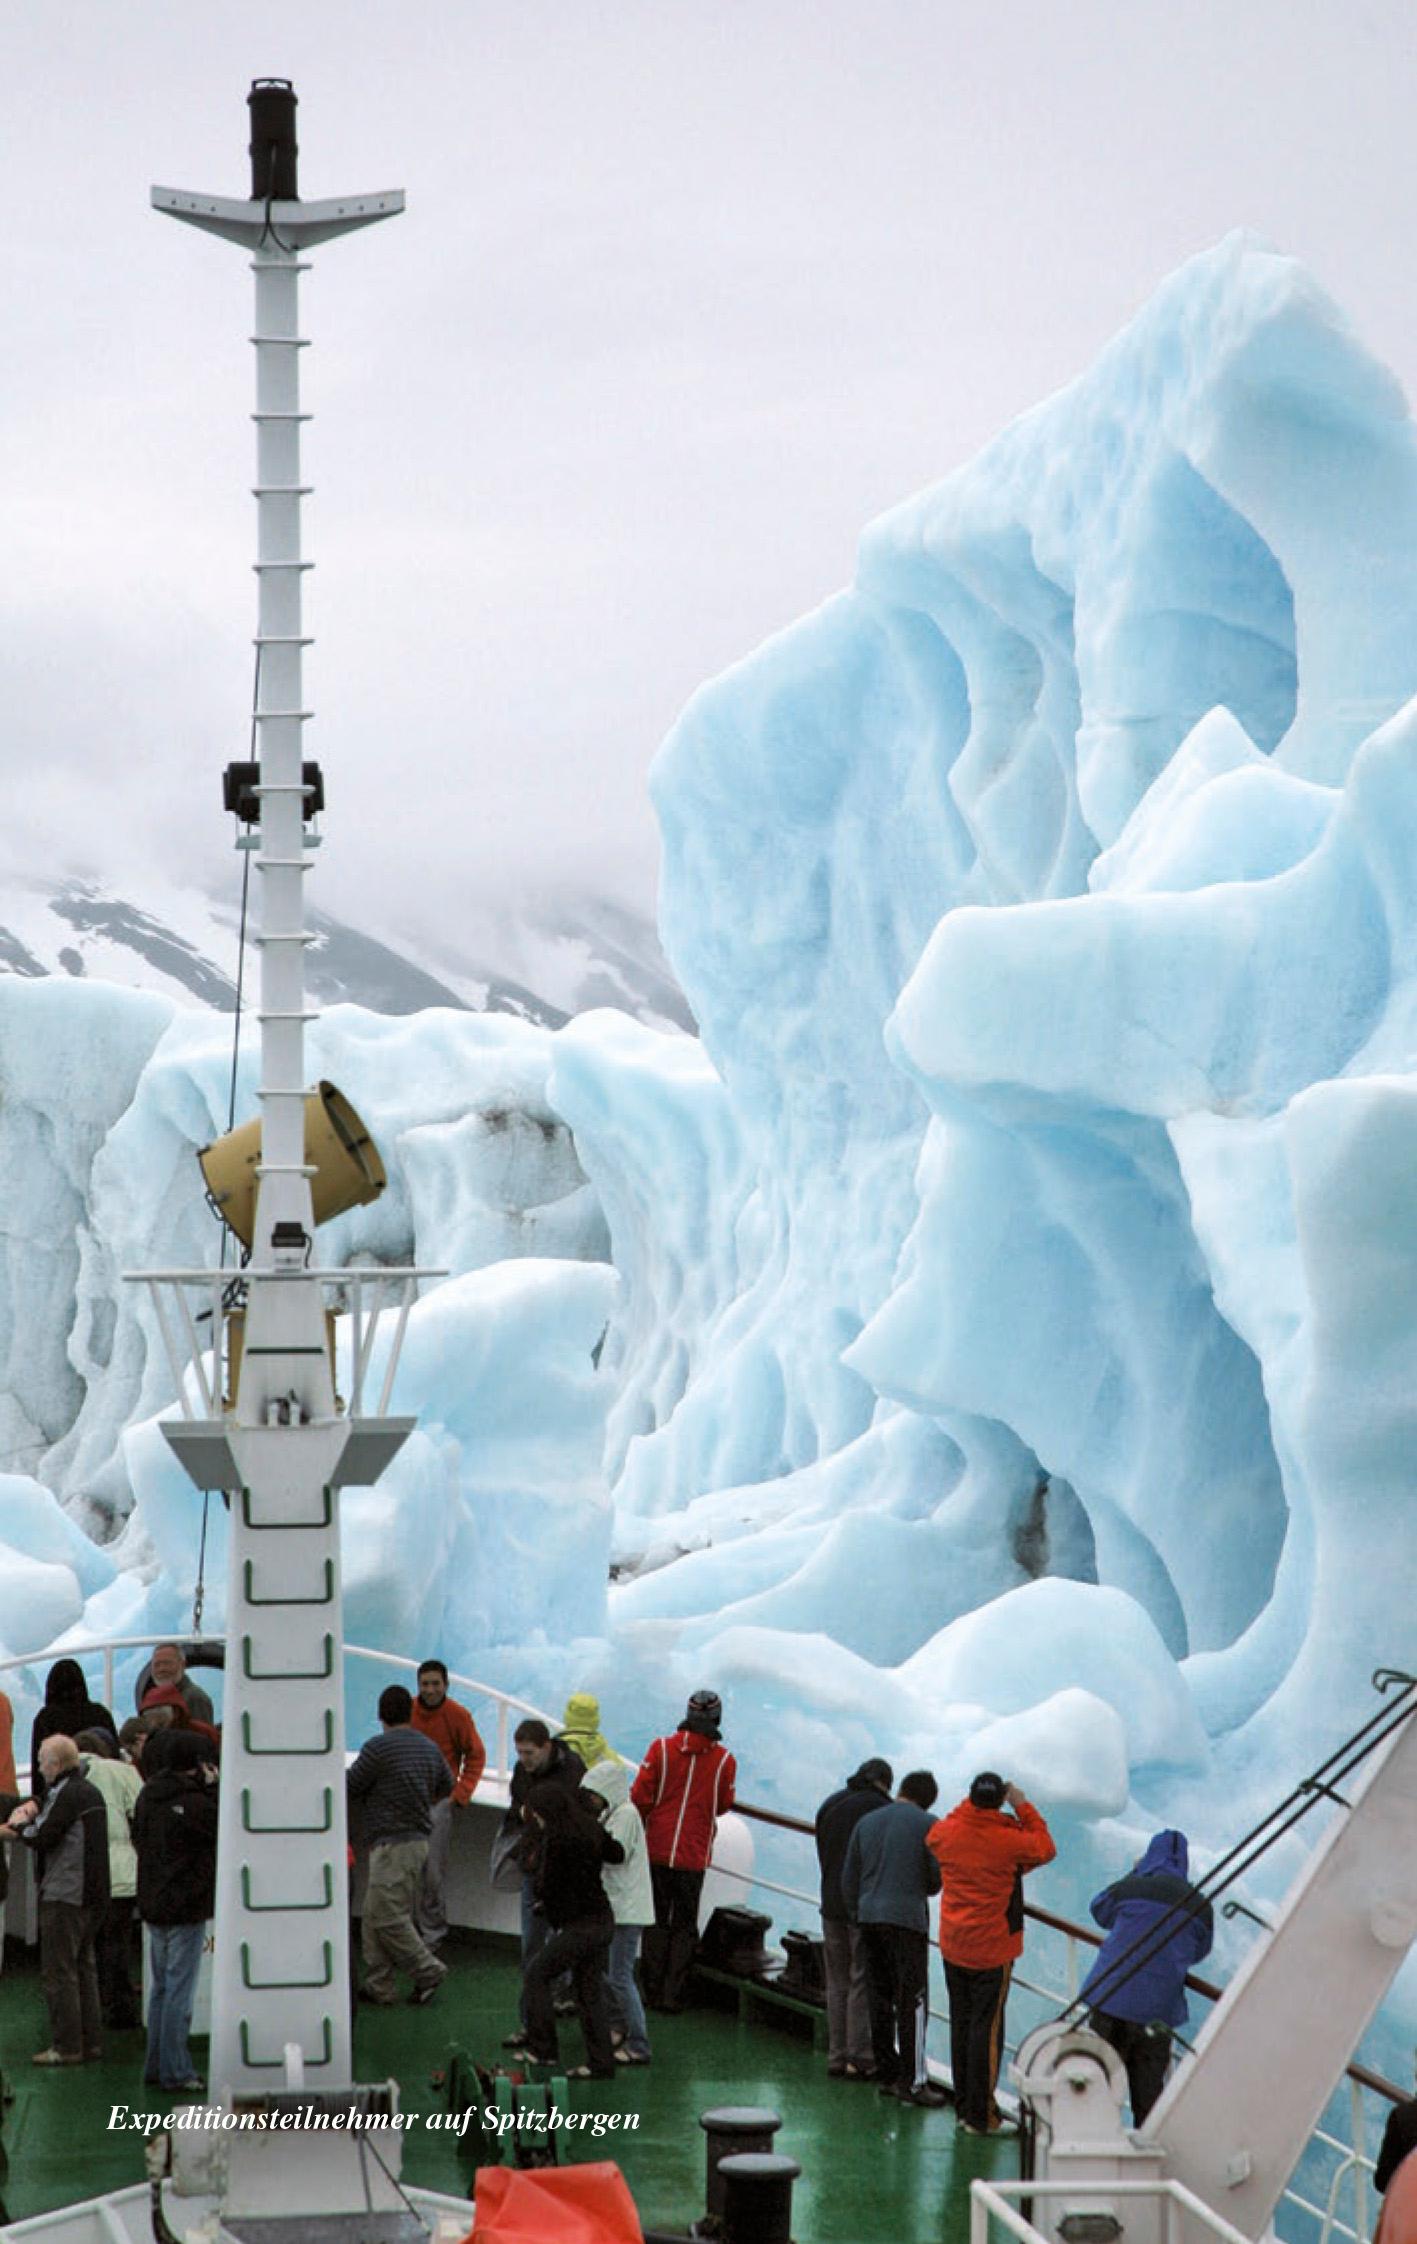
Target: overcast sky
pixel 687 291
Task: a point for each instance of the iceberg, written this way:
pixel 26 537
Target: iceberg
pixel 993 1338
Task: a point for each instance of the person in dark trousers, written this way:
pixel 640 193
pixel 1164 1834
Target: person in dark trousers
pixel 887 1878
pixel 541 1759
pixel 1157 1926
pixel 68 1833
pixel 571 1847
pixel 685 1783
pixel 457 1738
pixel 397 1776
pixel 983 1854
pixel 120 1784
pixel 850 2054
pixel 174 1831
pixel 67 1709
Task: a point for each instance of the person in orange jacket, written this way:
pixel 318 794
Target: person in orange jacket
pixel 983 1854
pixel 455 1734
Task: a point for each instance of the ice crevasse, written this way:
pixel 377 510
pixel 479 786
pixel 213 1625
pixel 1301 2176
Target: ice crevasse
pixel 993 1339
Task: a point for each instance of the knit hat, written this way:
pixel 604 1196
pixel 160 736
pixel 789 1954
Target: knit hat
pixel 703 1714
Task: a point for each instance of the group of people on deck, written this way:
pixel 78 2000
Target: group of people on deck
pixel 609 1862
pixel 884 1858
pixel 122 1822
pixel 604 1863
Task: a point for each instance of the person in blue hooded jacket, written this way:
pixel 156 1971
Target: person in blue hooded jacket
pixel 1158 1925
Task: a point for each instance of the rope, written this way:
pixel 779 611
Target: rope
pixel 199 1589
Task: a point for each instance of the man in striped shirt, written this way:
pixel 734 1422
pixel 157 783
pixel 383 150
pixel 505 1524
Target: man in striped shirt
pixel 397 1776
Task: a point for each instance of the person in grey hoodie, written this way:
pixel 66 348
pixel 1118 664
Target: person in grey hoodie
pixel 887 1878
pixel 629 1891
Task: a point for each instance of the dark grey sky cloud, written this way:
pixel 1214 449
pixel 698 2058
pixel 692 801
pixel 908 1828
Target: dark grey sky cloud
pixel 687 291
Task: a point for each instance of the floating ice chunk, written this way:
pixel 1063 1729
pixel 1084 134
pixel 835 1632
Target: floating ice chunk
pixel 1068 1754
pixel 1049 1636
pixel 38 1600
pixel 1220 811
pixel 33 1520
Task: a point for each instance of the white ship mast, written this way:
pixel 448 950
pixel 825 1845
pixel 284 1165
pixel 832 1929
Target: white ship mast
pixel 280 1441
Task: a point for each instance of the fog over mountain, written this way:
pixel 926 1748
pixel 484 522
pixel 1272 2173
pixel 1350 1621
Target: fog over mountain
pixel 543 963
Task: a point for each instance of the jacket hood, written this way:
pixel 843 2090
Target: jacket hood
pixel 611 1779
pixel 1166 1851
pixel 174 1753
pixel 65 1685
pixel 694 1741
pixel 582 1712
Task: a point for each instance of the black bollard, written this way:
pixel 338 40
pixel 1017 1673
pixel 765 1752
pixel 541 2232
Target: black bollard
pixel 757 2197
pixel 730 2128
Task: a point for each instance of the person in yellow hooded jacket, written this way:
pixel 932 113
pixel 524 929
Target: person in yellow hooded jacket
pixel 582 1730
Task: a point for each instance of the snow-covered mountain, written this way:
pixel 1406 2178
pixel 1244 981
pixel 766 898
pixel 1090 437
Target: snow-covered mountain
pixel 187 944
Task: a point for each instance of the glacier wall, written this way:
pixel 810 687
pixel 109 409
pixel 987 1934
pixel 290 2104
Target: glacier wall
pixel 993 1340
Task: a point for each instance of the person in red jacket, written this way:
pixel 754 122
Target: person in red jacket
pixel 983 1854
pixel 685 1784
pixel 455 1734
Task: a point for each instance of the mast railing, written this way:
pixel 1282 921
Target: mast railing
pixel 202 1359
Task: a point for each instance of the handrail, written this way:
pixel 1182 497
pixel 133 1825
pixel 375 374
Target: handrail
pixel 506 1701
pixel 1054 1923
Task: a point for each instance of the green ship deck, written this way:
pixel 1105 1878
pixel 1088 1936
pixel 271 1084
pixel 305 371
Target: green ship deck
pixel 871 2169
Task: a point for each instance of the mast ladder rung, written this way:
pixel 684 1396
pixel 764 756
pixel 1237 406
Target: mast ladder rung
pixel 264 1986
pixel 327 1599
pixel 286 1752
pixel 287 1830
pixel 282 639
pixel 286 1526
pixel 269 787
pixel 277 2064
pixel 281 490
pixel 274 1908
pixel 288 1674
pixel 284 865
pixel 270 568
pixel 281 265
pixel 296 342
pixel 282 416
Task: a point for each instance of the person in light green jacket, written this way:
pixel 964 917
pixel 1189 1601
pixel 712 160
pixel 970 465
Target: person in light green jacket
pixel 582 1730
pixel 120 1784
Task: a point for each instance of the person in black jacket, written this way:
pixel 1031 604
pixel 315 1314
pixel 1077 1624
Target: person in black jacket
pixel 68 1833
pixel 541 1759
pixel 570 1847
pixel 174 1831
pixel 849 2052
pixel 67 1709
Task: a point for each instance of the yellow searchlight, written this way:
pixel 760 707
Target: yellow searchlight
pixel 338 1149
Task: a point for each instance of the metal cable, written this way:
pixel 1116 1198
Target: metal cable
pixel 1258 1841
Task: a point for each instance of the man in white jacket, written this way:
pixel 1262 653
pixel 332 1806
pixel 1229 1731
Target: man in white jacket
pixel 631 1896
